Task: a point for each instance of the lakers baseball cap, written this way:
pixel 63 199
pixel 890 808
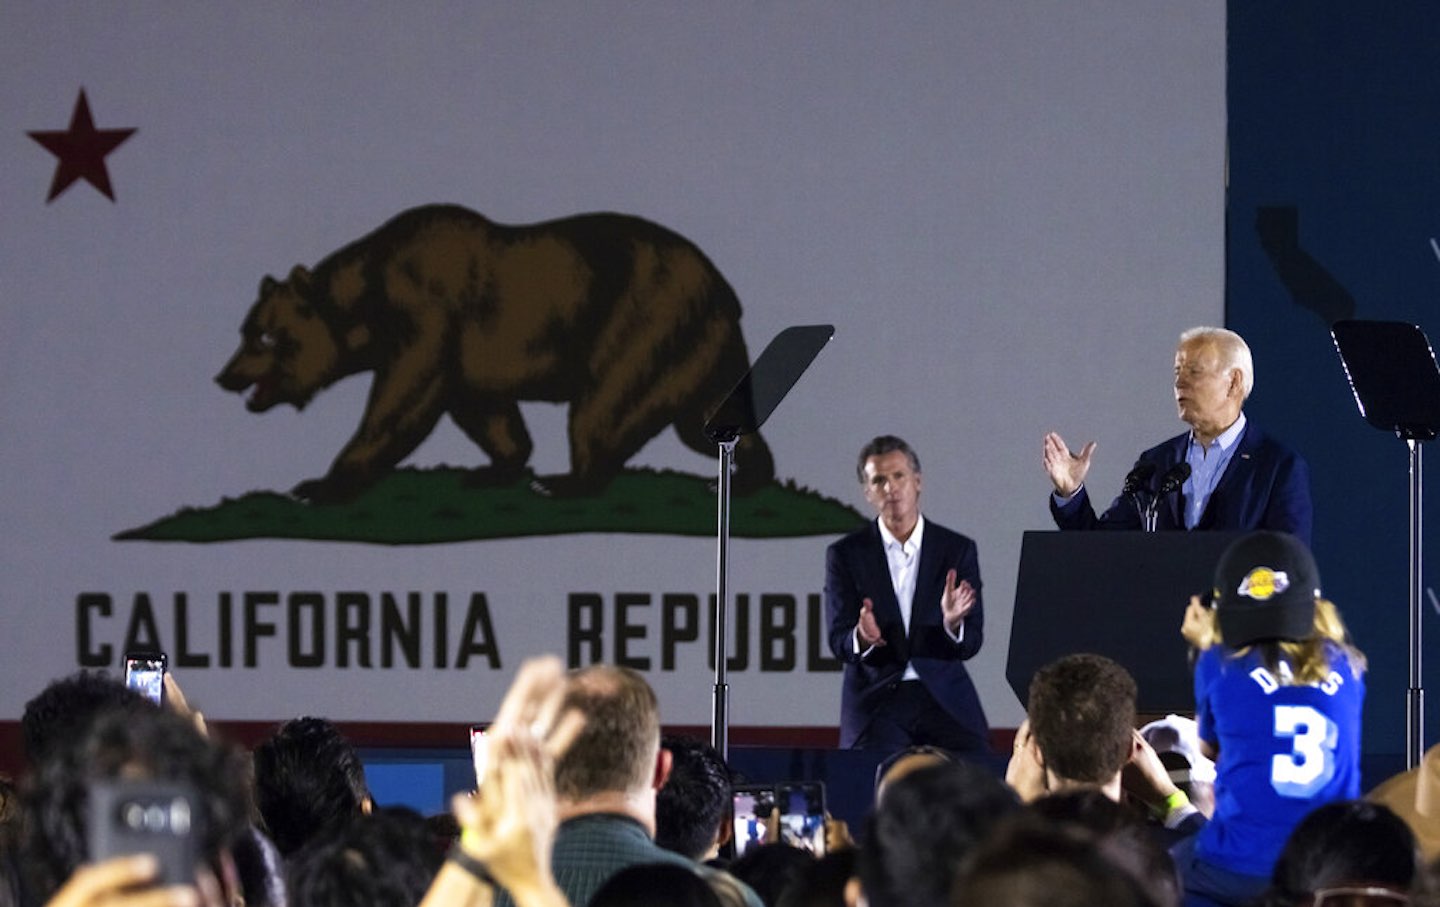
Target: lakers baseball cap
pixel 1265 588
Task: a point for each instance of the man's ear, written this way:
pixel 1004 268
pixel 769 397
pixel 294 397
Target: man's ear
pixel 664 761
pixel 726 831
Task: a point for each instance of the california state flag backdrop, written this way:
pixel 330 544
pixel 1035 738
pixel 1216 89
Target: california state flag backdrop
pixel 1007 211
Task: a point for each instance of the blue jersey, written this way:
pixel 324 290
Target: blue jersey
pixel 1284 750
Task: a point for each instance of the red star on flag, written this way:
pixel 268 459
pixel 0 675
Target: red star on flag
pixel 81 150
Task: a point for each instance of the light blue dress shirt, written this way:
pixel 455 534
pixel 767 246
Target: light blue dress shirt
pixel 1207 465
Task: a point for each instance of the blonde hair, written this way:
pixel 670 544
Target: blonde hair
pixel 1308 658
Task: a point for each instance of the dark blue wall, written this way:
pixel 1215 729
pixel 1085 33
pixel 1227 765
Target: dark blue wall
pixel 1333 198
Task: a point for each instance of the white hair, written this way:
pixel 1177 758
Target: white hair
pixel 1234 352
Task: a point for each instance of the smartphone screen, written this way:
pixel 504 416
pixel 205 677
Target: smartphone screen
pixel 753 805
pixel 477 752
pixel 145 674
pixel 155 817
pixel 802 815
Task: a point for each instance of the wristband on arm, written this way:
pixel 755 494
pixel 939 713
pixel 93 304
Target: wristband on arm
pixel 474 867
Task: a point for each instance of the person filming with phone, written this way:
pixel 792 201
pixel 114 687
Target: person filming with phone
pixel 140 805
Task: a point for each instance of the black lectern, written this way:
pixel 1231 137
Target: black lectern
pixel 1117 594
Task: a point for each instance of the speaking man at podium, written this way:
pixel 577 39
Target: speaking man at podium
pixel 1224 473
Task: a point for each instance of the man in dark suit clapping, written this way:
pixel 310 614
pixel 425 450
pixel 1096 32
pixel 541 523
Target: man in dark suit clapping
pixel 902 596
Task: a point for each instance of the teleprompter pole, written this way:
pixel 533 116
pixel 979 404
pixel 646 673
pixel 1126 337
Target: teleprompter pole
pixel 747 406
pixel 720 714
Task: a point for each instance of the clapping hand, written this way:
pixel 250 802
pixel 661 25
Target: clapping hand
pixel 956 602
pixel 509 825
pixel 868 630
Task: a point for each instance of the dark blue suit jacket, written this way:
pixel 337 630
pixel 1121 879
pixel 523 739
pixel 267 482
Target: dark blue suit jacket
pixel 1265 486
pixel 856 569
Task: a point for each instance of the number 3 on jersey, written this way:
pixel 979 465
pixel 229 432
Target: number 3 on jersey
pixel 1310 764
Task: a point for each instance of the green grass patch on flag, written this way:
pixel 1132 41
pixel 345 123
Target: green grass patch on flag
pixel 431 506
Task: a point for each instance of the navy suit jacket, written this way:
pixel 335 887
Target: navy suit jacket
pixel 1265 486
pixel 856 569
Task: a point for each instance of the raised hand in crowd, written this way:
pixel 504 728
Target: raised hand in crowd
pixel 508 826
pixel 1146 778
pixel 837 834
pixel 1198 627
pixel 1026 772
pixel 128 882
pixel 175 702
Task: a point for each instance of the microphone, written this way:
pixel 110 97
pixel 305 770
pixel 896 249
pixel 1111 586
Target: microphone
pixel 1173 478
pixel 1138 478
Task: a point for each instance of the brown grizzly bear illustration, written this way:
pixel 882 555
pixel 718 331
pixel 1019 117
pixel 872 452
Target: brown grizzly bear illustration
pixel 623 319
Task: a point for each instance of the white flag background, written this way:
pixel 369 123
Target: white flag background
pixel 1008 209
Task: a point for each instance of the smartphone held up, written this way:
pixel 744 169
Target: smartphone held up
pixel 800 814
pixel 129 817
pixel 145 674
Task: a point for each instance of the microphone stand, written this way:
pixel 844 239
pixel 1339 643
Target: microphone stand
pixel 1145 507
pixel 1171 482
pixel 1134 489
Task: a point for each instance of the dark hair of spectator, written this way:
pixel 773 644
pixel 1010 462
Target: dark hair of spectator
pixel 309 783
pixel 1089 808
pixel 259 868
pixel 770 868
pixel 1082 715
pixel 9 804
pixel 149 744
pixel 1123 838
pixel 920 749
pixel 923 828
pixel 695 800
pixel 822 883
pixel 656 885
pixel 1030 862
pixel 1352 842
pixel 10 828
pixel 386 859
pixel 444 831
pixel 64 710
